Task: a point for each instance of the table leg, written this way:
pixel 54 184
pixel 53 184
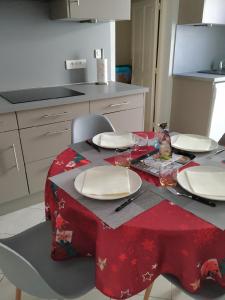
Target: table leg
pixel 18 294
pixel 148 292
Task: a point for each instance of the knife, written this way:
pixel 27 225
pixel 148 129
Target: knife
pixel 194 197
pixel 130 200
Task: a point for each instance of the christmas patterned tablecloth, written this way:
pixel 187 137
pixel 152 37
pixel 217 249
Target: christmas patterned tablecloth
pixel 163 239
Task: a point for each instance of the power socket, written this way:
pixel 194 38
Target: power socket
pixel 97 53
pixel 76 64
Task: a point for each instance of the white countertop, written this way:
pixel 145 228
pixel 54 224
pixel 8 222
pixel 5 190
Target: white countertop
pixel 91 91
pixel 202 76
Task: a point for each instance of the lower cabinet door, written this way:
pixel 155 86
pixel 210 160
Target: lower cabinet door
pixel 128 120
pixel 37 173
pixel 13 183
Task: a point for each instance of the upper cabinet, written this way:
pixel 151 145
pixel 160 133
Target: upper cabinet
pixel 91 10
pixel 201 12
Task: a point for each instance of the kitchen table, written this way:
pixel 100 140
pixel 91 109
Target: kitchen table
pixel 163 239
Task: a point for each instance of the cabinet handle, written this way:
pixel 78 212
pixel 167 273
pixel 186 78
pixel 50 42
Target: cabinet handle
pixel 76 2
pixel 57 132
pixel 15 156
pixel 55 116
pixel 118 104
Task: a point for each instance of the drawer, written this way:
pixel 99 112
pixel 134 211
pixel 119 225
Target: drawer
pixel 37 173
pixel 8 122
pixel 42 116
pixel 45 141
pixel 117 104
pixel 128 120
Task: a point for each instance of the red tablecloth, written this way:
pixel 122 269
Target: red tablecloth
pixel 163 239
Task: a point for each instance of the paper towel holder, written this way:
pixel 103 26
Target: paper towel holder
pixel 102 69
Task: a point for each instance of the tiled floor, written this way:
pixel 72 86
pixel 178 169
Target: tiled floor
pixel 18 221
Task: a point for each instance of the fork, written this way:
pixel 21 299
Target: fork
pixel 217 152
pixel 194 197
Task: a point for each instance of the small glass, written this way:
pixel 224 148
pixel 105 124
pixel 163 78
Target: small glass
pixel 122 159
pixel 140 142
pixel 168 175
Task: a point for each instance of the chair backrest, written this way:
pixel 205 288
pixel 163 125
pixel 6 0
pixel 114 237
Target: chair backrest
pixel 86 127
pixel 23 275
pixel 222 140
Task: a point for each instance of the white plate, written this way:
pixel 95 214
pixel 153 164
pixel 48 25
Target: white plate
pixel 213 145
pixel 183 181
pixel 97 141
pixel 135 184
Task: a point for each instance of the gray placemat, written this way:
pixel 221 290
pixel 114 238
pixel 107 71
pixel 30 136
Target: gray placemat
pixel 90 153
pixel 213 215
pixel 105 210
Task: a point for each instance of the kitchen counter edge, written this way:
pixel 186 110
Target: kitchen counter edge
pixel 202 76
pixel 92 92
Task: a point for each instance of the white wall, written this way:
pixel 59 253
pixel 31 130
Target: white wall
pixel 198 47
pixel 33 48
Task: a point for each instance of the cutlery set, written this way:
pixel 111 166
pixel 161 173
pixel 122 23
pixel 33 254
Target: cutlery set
pixel 194 197
pixel 130 200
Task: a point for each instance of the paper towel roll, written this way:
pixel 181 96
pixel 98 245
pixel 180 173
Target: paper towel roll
pixel 102 71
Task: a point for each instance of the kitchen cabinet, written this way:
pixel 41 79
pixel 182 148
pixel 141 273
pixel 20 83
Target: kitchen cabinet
pixel 197 107
pixel 45 141
pixel 8 122
pixel 37 173
pixel 127 120
pixel 89 10
pixel 125 113
pixel 51 115
pixel 201 11
pixel 13 183
pixel 31 139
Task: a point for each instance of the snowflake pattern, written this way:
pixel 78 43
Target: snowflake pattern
pixel 59 162
pixel 62 203
pixel 147 276
pixel 102 263
pixel 127 258
pixel 126 294
pixel 195 285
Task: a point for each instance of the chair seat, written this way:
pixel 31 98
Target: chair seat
pixel 71 278
pixel 209 289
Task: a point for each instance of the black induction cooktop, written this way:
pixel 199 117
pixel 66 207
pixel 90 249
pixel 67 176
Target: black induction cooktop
pixel 22 96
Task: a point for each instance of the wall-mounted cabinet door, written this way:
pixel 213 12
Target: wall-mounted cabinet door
pixel 101 10
pixel 13 183
pixel 201 11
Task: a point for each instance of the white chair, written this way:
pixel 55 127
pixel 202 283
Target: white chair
pixel 26 261
pixel 222 140
pixel 86 127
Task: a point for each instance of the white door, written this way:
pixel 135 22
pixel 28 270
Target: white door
pixel 145 20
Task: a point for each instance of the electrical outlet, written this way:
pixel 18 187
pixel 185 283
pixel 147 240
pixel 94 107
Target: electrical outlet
pixel 76 64
pixel 97 53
